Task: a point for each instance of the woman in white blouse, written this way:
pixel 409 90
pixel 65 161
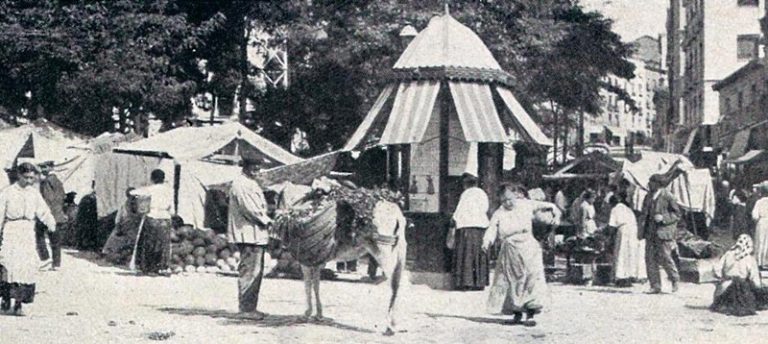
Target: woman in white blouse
pixel 519 285
pixel 21 204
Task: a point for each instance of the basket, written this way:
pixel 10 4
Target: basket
pixel 142 204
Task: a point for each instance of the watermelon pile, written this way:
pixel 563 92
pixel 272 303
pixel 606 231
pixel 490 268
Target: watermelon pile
pixel 195 250
pixel 192 250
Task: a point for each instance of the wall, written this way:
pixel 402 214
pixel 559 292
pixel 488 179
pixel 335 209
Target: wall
pixel 425 167
pixel 710 52
pixel 734 118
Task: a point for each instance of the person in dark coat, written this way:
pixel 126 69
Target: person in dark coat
pixel 659 218
pixel 53 193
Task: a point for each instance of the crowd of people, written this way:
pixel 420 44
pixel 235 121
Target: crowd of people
pixel 32 210
pixel 644 242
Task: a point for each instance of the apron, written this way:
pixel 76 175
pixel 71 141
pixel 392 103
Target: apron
pixel 19 254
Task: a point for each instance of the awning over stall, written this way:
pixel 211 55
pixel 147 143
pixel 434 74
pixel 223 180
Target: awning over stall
pixel 477 113
pixel 739 146
pixel 522 118
pixel 358 137
pixel 411 112
pixel 748 157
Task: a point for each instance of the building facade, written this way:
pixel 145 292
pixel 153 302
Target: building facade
pixel 618 124
pixel 718 38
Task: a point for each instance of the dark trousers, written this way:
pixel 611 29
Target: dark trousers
pixel 659 253
pixel 251 271
pixel 154 253
pixel 350 266
pixel 41 231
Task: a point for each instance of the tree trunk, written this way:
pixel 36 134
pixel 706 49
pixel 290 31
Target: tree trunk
pixel 556 133
pixel 244 64
pixel 566 130
pixel 580 133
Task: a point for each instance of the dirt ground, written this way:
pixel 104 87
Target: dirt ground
pixel 88 302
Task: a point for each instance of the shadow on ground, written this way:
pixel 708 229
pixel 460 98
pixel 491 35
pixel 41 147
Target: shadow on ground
pixel 272 320
pixel 92 257
pixel 481 320
pixel 606 290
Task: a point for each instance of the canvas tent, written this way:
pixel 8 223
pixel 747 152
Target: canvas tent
pixel 593 166
pixel 692 187
pixel 189 157
pixel 37 142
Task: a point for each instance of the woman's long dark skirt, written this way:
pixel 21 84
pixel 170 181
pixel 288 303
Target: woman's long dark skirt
pixel 470 263
pixel 742 298
pixel 154 253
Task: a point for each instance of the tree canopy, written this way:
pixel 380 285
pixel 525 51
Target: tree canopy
pixel 79 59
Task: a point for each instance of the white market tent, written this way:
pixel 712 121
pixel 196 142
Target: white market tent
pixel 81 171
pixel 38 142
pixel 693 187
pixel 188 158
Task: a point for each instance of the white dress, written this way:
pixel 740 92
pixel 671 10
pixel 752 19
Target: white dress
pixel 628 252
pixel 19 207
pixel 760 215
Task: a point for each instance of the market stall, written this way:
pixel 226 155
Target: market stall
pixel 448 108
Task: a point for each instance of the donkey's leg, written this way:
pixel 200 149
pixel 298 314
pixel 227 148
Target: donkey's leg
pixel 307 274
pixel 316 286
pixel 391 260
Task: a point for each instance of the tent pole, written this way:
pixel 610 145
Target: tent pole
pixel 690 202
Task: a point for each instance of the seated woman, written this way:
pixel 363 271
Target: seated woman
pixel 739 291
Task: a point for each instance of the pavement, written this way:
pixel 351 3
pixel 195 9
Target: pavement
pixel 91 302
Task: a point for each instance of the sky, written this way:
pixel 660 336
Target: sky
pixel 633 18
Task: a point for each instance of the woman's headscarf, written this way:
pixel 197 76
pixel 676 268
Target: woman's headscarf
pixel 743 246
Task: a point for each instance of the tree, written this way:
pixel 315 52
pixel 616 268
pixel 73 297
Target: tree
pixel 89 57
pixel 573 73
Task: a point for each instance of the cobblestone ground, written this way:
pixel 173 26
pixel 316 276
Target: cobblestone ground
pixel 91 303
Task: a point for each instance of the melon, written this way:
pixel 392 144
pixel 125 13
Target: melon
pixel 200 261
pixel 211 249
pixel 189 268
pixel 198 242
pixel 200 269
pixel 210 259
pixel 178 270
pixel 189 260
pixel 199 251
pixel 225 268
pixel 231 261
pixel 225 253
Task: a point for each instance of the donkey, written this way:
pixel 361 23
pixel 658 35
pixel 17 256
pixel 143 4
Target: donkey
pixel 387 246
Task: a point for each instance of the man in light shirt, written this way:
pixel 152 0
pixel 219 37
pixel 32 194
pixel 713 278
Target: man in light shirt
pixel 154 253
pixel 247 226
pixel 470 263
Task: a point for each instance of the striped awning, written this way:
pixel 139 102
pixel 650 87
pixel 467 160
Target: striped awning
pixel 477 113
pixel 357 138
pixel 522 118
pixel 411 112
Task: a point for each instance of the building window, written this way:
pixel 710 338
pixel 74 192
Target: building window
pixel 746 46
pixel 754 93
pixel 740 102
pixel 748 2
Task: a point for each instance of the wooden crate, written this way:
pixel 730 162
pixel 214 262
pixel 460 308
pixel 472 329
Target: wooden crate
pixel 697 270
pixel 579 273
